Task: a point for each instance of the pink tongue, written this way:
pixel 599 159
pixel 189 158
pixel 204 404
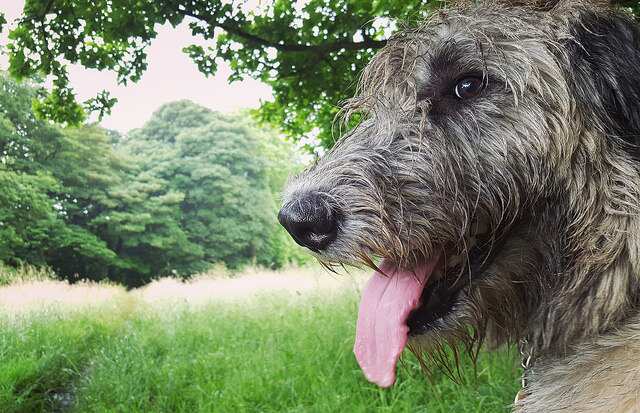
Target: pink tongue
pixel 382 333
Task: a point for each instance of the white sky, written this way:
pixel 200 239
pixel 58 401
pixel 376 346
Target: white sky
pixel 170 76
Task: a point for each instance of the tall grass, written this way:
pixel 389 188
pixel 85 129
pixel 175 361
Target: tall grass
pixel 44 353
pixel 24 273
pixel 280 351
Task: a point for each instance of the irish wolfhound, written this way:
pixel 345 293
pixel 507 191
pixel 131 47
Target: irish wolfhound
pixel 495 172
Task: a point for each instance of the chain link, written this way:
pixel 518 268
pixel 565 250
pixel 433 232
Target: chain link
pixel 526 352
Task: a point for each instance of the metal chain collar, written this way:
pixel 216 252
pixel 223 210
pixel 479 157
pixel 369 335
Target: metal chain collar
pixel 526 354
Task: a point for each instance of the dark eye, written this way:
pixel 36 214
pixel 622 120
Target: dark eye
pixel 469 87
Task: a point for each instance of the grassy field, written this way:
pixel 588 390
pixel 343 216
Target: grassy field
pixel 262 343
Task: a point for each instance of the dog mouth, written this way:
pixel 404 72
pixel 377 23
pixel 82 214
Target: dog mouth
pixel 443 287
pixel 398 303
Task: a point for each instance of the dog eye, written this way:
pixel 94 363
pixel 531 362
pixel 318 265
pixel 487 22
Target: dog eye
pixel 469 87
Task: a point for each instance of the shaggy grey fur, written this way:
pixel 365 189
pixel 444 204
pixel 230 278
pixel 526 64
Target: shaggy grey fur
pixel 545 157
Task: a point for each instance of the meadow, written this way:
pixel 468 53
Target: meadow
pixel 261 342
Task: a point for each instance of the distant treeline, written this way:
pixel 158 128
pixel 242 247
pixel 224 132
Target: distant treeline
pixel 190 189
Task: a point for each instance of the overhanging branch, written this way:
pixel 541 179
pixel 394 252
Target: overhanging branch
pixel 320 49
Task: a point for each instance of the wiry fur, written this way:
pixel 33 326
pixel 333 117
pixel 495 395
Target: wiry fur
pixel 546 156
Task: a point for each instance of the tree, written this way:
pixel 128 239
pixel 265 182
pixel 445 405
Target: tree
pixel 71 202
pixel 143 227
pixel 25 140
pixel 189 189
pixel 105 196
pixel 27 217
pixel 216 162
pixel 36 211
pixel 282 160
pixel 310 53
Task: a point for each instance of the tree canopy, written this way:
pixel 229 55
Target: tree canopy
pixel 309 52
pixel 190 189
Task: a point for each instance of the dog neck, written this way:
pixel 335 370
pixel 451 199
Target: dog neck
pixel 586 334
pixel 599 375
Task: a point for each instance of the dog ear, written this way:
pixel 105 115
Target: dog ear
pixel 604 69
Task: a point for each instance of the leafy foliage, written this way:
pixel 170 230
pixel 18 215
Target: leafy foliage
pixel 310 52
pixel 297 48
pixel 190 189
pixel 33 212
pixel 214 162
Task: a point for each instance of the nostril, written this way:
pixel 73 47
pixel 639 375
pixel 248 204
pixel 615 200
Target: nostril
pixel 311 221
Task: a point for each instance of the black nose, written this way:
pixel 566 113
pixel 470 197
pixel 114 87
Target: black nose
pixel 311 221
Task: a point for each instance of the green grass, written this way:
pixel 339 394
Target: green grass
pixel 274 354
pixel 43 355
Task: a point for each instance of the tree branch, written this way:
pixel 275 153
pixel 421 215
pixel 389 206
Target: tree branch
pixel 319 49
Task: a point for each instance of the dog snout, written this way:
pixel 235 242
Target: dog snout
pixel 311 220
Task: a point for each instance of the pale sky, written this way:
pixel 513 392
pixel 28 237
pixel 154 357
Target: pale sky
pixel 170 76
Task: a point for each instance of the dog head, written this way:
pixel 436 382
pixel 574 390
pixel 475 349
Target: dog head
pixel 494 144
